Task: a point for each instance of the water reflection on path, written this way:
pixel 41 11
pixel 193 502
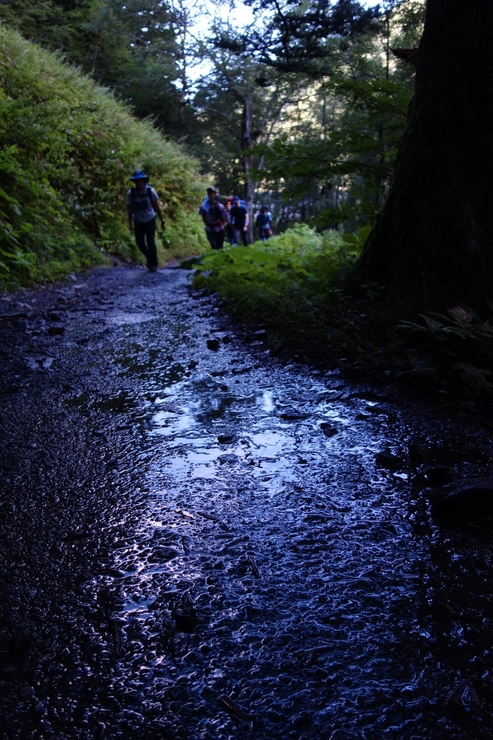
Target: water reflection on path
pixel 296 551
pixel 267 557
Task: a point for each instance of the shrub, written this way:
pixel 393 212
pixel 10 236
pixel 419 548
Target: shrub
pixel 453 353
pixel 285 282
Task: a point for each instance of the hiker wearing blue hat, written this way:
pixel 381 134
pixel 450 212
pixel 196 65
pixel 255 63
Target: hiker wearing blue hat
pixel 142 207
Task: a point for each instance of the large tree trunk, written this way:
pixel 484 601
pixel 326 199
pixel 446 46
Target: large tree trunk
pixel 432 244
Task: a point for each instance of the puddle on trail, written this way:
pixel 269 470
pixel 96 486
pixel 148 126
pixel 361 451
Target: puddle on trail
pixel 261 554
pixel 276 563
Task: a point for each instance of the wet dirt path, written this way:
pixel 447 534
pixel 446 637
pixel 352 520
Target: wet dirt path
pixel 197 542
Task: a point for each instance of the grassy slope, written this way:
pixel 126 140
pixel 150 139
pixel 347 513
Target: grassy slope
pixel 67 148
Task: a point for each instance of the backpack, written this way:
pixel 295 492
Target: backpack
pixel 149 195
pixel 264 220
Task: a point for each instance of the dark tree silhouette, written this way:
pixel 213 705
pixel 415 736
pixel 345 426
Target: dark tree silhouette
pixel 432 244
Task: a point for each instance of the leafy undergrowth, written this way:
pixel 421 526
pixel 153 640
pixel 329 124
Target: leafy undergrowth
pixel 67 150
pixel 299 286
pixel 295 286
pixel 451 354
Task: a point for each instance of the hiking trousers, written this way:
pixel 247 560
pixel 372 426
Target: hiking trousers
pixel 216 238
pixel 145 237
pixel 241 237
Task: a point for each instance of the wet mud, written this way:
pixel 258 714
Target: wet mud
pixel 197 541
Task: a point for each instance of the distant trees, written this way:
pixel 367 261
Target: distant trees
pixel 236 109
pixel 330 153
pixel 130 47
pixel 298 35
pixel 55 24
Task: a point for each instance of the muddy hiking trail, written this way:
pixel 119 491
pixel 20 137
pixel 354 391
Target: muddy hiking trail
pixel 199 542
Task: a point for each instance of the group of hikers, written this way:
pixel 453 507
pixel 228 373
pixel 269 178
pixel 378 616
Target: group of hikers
pixel 230 221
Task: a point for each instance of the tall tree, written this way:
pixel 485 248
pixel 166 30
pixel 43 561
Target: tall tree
pixel 237 106
pixel 432 243
pixel 334 159
pixel 132 48
pixel 55 24
pixel 293 35
pixel 263 68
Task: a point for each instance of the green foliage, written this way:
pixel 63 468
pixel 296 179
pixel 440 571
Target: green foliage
pixel 449 351
pixel 357 241
pixel 284 282
pixel 336 157
pixel 353 160
pixel 131 47
pixel 67 149
pixel 52 23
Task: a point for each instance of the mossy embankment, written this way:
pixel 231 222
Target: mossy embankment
pixel 67 147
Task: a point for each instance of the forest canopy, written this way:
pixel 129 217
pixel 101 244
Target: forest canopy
pixel 305 108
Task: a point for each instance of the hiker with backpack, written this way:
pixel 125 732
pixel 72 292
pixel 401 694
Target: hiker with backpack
pixel 214 217
pixel 142 207
pixel 264 223
pixel 239 219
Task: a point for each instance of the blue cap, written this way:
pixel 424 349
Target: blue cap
pixel 139 175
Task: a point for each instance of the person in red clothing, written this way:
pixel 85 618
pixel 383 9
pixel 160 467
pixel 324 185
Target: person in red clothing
pixel 214 217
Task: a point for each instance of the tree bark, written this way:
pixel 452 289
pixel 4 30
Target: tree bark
pixel 432 243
